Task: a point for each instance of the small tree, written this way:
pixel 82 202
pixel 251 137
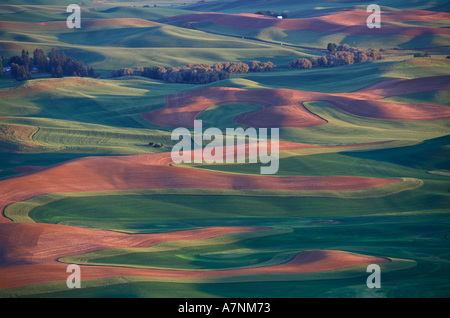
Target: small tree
pixel 14 70
pixel 343 47
pixel 90 71
pixel 300 63
pixel 322 61
pixel 314 62
pixel 59 71
pixel 25 58
pixel 331 47
pixel 40 60
pixel 360 57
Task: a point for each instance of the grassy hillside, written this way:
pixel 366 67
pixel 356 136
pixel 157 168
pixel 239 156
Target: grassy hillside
pixel 49 121
pixel 310 6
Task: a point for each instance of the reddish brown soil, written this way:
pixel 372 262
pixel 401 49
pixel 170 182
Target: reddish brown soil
pixel 30 253
pixel 305 262
pixel 34 243
pixel 35 248
pixel 154 172
pixel 345 21
pixel 39 86
pixel 279 108
pixel 284 107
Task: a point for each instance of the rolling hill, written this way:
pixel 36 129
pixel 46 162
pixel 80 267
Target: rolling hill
pixel 87 177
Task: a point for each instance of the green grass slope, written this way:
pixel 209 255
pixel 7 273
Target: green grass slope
pixel 46 121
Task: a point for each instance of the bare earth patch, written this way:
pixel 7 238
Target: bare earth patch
pixel 346 21
pixel 154 171
pixel 30 253
pixel 284 107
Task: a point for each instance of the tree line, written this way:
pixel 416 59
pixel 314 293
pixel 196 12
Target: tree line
pixel 196 73
pixel 56 63
pixel 21 66
pixel 338 55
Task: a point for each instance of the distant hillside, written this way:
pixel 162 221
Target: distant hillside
pixel 102 2
pixel 310 6
pixel 407 29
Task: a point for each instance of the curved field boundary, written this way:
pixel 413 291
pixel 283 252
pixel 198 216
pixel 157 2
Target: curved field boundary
pixel 15 138
pixel 445 173
pixel 393 264
pixel 351 22
pixel 37 243
pixel 19 211
pixel 154 171
pixel 304 262
pixel 95 258
pixel 140 176
pixel 356 271
pixel 278 110
pixel 284 107
pixel 42 244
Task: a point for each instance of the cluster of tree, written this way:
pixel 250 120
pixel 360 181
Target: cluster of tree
pixel 196 73
pixel 40 60
pixel 189 74
pixel 272 13
pixel 331 47
pixel 337 56
pixel 231 68
pixel 21 66
pixel 57 63
pixel 257 66
pixel 61 65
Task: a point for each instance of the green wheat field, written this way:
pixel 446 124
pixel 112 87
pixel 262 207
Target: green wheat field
pixel 50 123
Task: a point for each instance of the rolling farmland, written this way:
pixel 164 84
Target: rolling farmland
pixel 87 175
